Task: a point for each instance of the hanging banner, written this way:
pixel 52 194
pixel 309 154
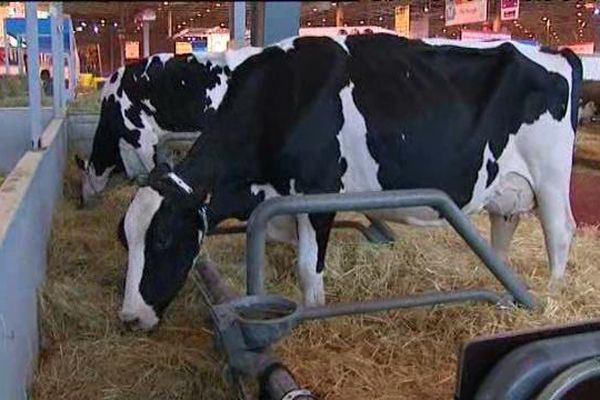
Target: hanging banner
pixel 419 28
pixel 460 12
pixel 132 49
pixel 468 35
pixel 509 10
pixel 402 20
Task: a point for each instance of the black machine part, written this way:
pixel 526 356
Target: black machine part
pixel 524 372
pixel 479 355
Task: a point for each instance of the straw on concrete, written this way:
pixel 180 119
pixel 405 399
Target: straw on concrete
pixel 395 355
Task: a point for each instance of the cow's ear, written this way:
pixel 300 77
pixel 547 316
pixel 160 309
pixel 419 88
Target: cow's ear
pixel 80 163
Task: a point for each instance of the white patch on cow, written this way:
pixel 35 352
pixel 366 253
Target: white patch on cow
pixel 286 44
pixel 217 93
pixel 311 281
pixel 281 228
pixel 148 104
pixel 361 174
pixel 137 220
pixel 479 189
pixel 110 88
pixel 182 82
pixel 233 58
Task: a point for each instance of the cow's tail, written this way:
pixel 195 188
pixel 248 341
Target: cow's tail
pixel 576 82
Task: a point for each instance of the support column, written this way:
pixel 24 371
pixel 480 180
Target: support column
pixel 237 24
pixel 33 74
pixel 170 24
pixel 58 57
pixel 6 49
pixel 20 54
pixel 339 15
pixel 273 21
pixel 146 29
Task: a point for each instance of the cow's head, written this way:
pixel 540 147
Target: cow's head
pixel 162 230
pixel 92 182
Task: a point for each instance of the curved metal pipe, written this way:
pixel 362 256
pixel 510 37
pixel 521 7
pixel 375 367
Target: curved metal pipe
pixel 436 199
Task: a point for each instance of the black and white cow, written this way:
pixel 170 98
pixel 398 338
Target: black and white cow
pixel 145 100
pixel 491 124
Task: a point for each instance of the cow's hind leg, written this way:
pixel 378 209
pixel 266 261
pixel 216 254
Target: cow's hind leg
pixel 502 230
pixel 313 235
pixel 554 213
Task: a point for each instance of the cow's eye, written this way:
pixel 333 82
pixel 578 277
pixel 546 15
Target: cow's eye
pixel 163 241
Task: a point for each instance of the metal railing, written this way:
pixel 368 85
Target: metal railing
pixel 436 199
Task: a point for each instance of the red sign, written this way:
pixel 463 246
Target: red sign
pixel 509 10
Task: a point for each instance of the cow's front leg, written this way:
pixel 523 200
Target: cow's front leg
pixel 313 235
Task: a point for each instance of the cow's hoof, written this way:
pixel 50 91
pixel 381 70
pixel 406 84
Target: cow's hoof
pixel 556 285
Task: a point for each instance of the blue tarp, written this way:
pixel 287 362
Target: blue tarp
pixel 16 27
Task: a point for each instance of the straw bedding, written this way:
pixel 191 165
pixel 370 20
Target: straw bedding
pixel 395 355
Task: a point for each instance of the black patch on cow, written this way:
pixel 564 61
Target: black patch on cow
pixel 171 243
pixel 576 82
pixel 492 171
pixel 121 233
pixel 113 77
pixel 449 102
pixel 322 224
pixel 111 127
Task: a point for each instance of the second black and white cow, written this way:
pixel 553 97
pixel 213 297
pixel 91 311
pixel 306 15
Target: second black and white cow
pixel 147 99
pixel 491 124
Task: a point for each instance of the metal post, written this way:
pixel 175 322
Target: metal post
pixel 170 24
pixel 146 29
pixel 257 23
pixel 33 74
pixel 111 48
pixel 58 63
pixel 237 24
pixel 73 66
pixel 20 54
pixel 281 20
pixel 6 48
pixel 436 199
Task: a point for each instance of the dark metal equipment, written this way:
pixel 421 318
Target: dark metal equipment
pixel 556 362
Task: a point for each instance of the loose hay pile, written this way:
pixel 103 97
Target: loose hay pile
pixel 396 355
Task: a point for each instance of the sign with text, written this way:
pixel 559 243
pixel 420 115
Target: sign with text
pixel 581 48
pixel 465 11
pixel 509 10
pixel 132 49
pixel 402 20
pixel 468 35
pixel 183 47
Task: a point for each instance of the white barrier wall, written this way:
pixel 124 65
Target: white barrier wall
pixel 27 201
pixel 15 138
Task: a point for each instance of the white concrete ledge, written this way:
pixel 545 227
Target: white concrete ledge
pixel 27 201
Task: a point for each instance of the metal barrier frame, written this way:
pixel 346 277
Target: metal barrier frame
pixel 320 203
